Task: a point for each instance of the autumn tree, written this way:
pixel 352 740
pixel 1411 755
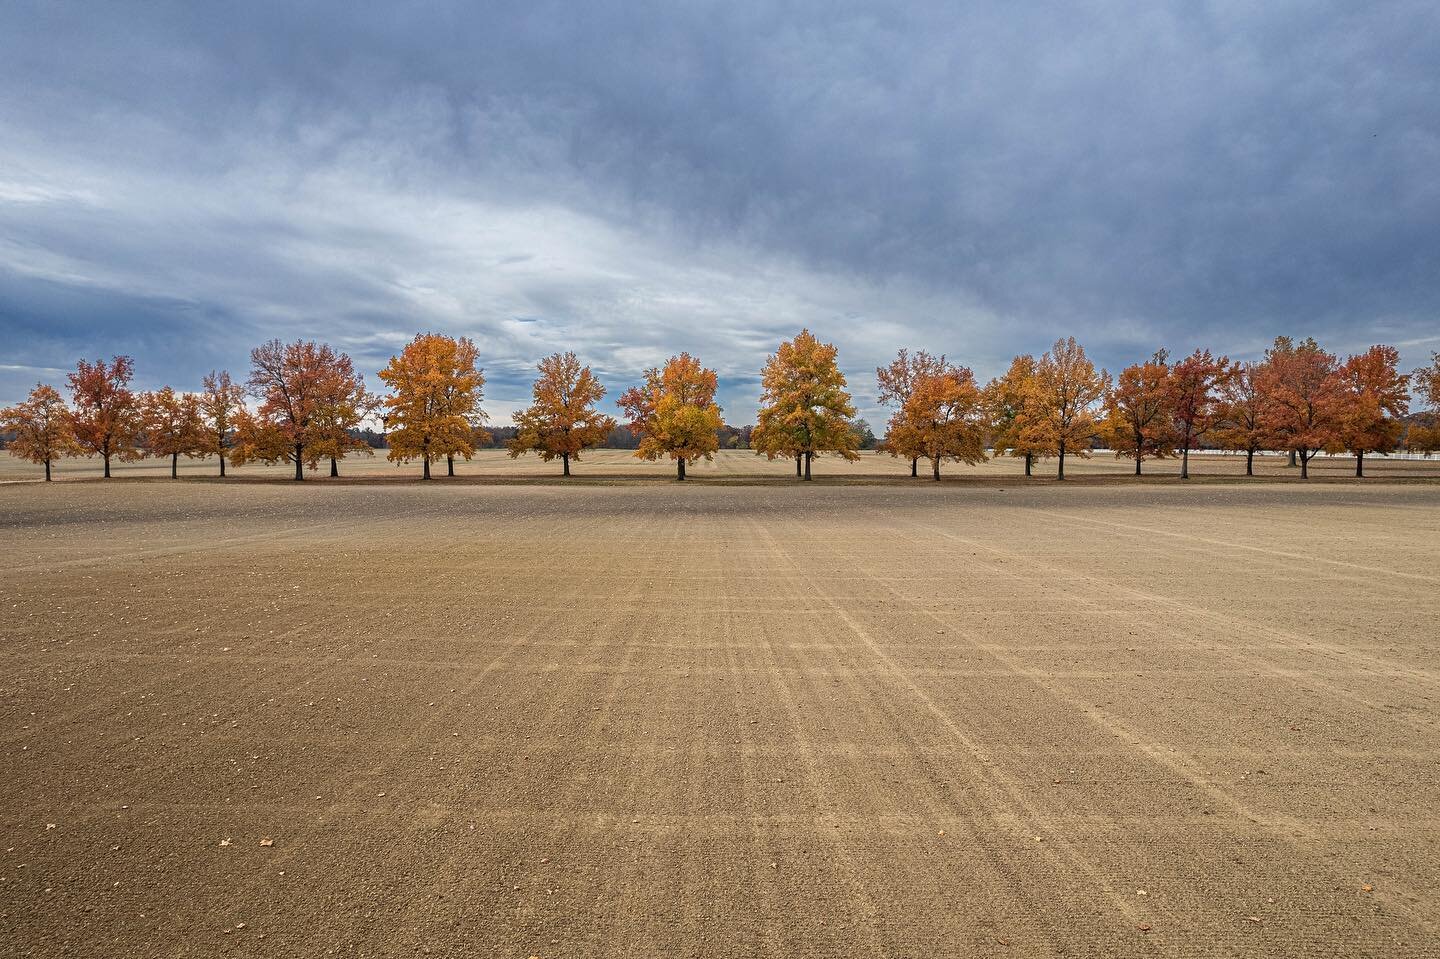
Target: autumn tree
pixel 674 413
pixel 1059 411
pixel 1241 422
pixel 562 421
pixel 1137 412
pixel 1425 437
pixel 1304 397
pixel 1007 401
pixel 42 428
pixel 804 408
pixel 173 426
pixel 104 414
pixel 1191 397
pixel 434 401
pixel 896 383
pixel 944 417
pixel 309 397
pixel 1375 396
pixel 220 404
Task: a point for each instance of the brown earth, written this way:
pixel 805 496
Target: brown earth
pixel 718 720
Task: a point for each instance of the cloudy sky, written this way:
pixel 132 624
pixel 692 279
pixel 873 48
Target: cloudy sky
pixel 183 181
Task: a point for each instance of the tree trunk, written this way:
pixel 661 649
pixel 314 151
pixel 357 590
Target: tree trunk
pixel 935 466
pixel 1185 462
pixel 808 457
pixel 1137 465
pixel 1061 473
pixel 449 464
pixel 1304 465
pixel 798 472
pixel 47 471
pixel 914 466
pixel 222 465
pixel 426 457
pixel 299 464
pixel 565 457
pixel 174 465
pixel 106 457
pixel 680 469
pixel 1360 463
pixel 334 467
pixel 1292 457
pixel 1250 462
pixel 1028 460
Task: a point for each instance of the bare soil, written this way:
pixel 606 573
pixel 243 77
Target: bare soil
pixel 648 719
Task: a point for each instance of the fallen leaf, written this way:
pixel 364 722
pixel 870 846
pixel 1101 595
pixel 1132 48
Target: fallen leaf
pixel 1254 919
pixel 1143 927
pixel 224 842
pixel 1367 888
pixel 267 842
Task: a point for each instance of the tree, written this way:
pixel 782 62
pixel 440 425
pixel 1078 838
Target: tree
pixel 944 417
pixel 105 417
pixel 1137 412
pixel 1375 397
pixel 310 396
pixel 1006 404
pixel 42 428
pixel 674 413
pixel 896 382
pixel 434 401
pixel 1058 416
pixel 173 426
pixel 804 408
pixel 220 404
pixel 1241 414
pixel 1425 437
pixel 563 420
pixel 1304 394
pixel 1191 389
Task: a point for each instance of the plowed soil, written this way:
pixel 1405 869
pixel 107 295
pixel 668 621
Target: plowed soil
pixel 906 720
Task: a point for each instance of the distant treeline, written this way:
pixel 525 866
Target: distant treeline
pixel 303 403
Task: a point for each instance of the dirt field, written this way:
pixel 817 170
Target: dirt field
pixel 719 720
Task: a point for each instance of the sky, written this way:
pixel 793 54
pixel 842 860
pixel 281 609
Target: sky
pixel 183 181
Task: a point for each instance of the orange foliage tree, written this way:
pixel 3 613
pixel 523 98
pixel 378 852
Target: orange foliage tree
pixel 220 404
pixel 42 428
pixel 1425 437
pixel 1194 406
pixel 173 426
pixel 1007 401
pixel 309 395
pixel 944 417
pixel 1059 413
pixel 804 408
pixel 896 383
pixel 1304 399
pixel 674 412
pixel 1375 397
pixel 1137 412
pixel 105 415
pixel 434 402
pixel 1241 426
pixel 562 421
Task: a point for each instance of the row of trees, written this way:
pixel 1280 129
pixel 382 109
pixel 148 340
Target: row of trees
pixel 309 403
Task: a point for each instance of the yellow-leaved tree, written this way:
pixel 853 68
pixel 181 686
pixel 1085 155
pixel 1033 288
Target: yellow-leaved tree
pixel 1059 414
pixel 804 408
pixel 674 412
pixel 173 426
pixel 563 420
pixel 434 402
pixel 1006 401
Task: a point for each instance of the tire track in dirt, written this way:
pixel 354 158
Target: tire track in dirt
pixel 1284 828
pixel 1058 851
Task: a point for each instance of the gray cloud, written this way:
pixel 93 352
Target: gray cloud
pixel 181 181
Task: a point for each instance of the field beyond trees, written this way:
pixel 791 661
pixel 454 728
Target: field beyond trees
pixel 651 719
